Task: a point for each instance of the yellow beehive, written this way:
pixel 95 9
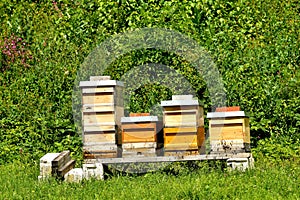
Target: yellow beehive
pixel 183 126
pixel 229 131
pixel 102 109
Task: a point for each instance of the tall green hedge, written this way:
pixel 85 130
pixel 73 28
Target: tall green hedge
pixel 254 44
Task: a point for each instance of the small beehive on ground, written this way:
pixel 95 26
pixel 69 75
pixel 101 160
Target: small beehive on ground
pixel 229 130
pixel 183 126
pixel 138 135
pixel 102 109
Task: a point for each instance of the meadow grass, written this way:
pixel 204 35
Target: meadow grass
pixel 266 181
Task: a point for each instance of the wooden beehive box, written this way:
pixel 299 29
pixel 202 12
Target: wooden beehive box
pixel 229 131
pixel 102 109
pixel 183 126
pixel 138 135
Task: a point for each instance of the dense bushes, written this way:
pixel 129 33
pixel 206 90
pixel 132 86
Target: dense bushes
pixel 255 46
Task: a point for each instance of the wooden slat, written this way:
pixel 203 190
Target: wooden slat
pixel 227 121
pixel 180 120
pixel 201 136
pixel 138 145
pixel 66 168
pixel 95 90
pixel 181 153
pixel 139 135
pixel 138 125
pixel 109 137
pixel 94 128
pixel 98 98
pixel 180 138
pixel 104 108
pixel 100 155
pixel 181 130
pixel 181 146
pixel 226 132
pixel 98 118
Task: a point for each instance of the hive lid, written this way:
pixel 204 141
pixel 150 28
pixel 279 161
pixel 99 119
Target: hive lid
pixel 139 119
pixel 180 103
pixel 100 83
pixel 226 114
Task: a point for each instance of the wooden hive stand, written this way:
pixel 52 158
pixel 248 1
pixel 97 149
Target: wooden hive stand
pixel 229 131
pixel 138 136
pixel 183 126
pixel 102 109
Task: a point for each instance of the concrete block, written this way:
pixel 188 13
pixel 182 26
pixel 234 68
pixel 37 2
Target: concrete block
pixel 93 170
pixel 238 163
pixel 46 164
pixel 74 175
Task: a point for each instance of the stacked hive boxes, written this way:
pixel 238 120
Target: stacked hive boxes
pixel 229 130
pixel 183 126
pixel 102 109
pixel 138 136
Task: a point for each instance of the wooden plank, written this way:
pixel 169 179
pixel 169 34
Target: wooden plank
pixel 180 120
pixel 98 128
pixel 137 145
pixel 63 158
pixel 101 90
pixel 139 135
pixel 181 153
pixel 98 98
pixel 100 137
pixel 226 132
pixel 101 147
pixel 98 118
pixel 100 155
pixel 119 113
pixel 192 129
pixel 181 146
pixel 104 108
pixel 219 156
pixel 140 150
pixel 138 125
pixel 66 168
pixel 238 120
pixel 180 138
pixel 201 136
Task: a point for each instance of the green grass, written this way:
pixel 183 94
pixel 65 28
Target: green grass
pixel 267 181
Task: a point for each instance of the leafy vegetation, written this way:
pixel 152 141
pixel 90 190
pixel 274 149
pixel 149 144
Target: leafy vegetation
pixel 254 44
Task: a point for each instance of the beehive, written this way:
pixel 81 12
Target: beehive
pixel 102 109
pixel 229 131
pixel 183 126
pixel 138 135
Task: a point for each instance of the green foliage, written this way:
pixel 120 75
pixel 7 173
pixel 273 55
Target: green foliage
pixel 254 44
pixel 267 181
